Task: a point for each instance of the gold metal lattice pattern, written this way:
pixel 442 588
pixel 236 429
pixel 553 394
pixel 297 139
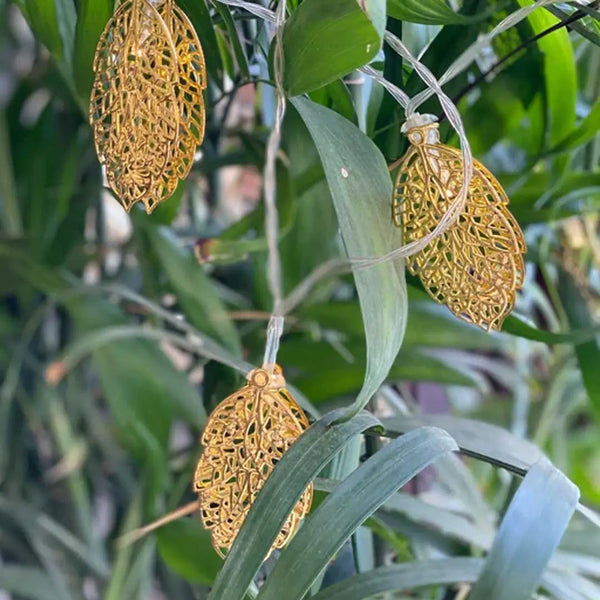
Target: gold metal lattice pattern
pixel 245 437
pixel 476 265
pixel 146 105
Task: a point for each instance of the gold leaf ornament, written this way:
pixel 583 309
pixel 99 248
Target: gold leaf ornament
pixel 476 265
pixel 146 105
pixel 245 437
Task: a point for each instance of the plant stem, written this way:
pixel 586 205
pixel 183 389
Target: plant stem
pixel 10 213
pixel 525 44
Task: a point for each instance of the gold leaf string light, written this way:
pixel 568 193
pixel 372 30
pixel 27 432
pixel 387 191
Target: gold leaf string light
pixel 146 105
pixel 245 437
pixel 476 265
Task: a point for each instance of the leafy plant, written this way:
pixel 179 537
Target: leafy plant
pixel 447 462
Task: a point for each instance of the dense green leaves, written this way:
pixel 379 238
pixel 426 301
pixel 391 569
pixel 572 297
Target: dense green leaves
pixel 313 450
pixel 428 12
pixel 361 189
pixel 530 531
pixel 350 504
pixel 348 32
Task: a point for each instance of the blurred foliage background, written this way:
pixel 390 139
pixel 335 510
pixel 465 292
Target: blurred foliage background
pixel 117 343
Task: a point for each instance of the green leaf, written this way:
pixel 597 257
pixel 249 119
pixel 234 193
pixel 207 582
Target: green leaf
pixel 427 12
pixel 91 18
pixel 475 438
pixel 27 582
pixel 234 39
pixel 186 548
pixel 42 16
pixel 348 506
pixel 560 74
pixel 586 131
pixel 300 464
pixel 348 33
pixel 406 576
pixel 530 532
pixel 193 288
pixel 588 353
pixel 516 326
pixel 427 325
pixel 361 189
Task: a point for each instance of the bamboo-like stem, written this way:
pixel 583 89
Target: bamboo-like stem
pixel 138 534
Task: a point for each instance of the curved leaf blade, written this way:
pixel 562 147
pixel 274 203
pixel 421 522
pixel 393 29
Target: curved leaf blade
pixel 361 189
pixel 300 464
pixel 530 532
pixel 475 438
pixel 348 32
pixel 426 12
pixel 405 576
pixel 349 505
pixel 91 20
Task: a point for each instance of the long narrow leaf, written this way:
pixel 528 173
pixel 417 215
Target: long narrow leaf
pixel 361 189
pixel 301 463
pixel 406 576
pixel 481 440
pixel 351 503
pixel 530 532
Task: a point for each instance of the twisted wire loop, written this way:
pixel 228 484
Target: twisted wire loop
pixel 146 105
pixel 245 437
pixel 476 265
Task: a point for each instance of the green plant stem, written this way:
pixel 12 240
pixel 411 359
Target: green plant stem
pixel 10 214
pixel 502 61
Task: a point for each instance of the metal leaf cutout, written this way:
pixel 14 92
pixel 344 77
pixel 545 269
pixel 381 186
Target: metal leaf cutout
pixel 188 88
pixel 476 265
pixel 245 437
pixel 146 105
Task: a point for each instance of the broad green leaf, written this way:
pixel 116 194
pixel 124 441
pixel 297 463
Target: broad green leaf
pixel 361 189
pixel 405 576
pixel 475 438
pixel 186 548
pixel 529 533
pixel 66 19
pixel 348 33
pixel 92 16
pixel 560 74
pixel 42 16
pixel 588 353
pixel 199 15
pixel 428 12
pixel 348 506
pixel 193 288
pixel 300 464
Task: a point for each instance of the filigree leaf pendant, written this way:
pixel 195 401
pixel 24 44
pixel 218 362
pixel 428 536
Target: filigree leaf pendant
pixel 245 437
pixel 188 88
pixel 476 265
pixel 146 105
